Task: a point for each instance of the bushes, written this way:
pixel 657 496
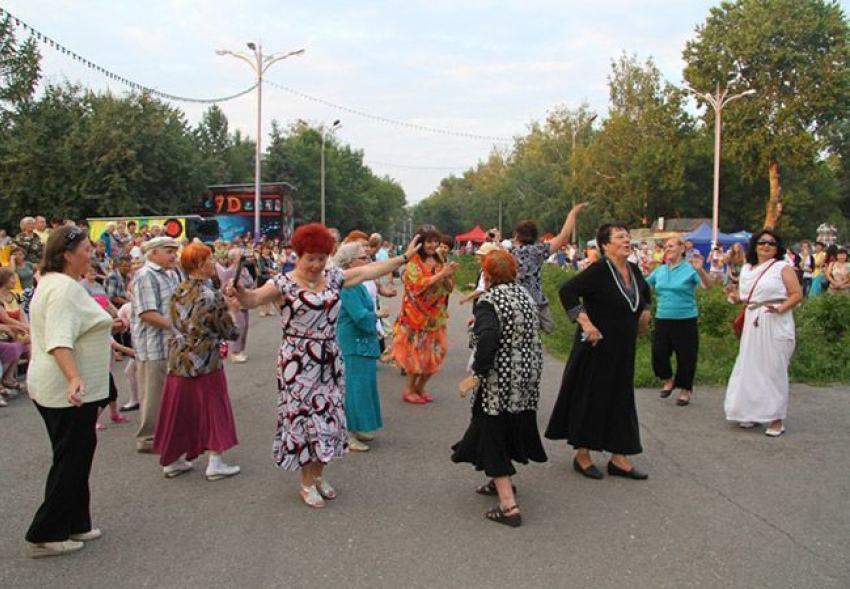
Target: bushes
pixel 823 333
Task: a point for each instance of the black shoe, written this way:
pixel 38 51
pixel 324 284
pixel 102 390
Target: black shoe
pixel 128 408
pixel 664 393
pixel 683 402
pixel 634 473
pixel 499 515
pixel 590 472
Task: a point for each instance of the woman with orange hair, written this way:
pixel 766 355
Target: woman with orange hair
pixel 505 385
pixel 195 415
pixel 311 425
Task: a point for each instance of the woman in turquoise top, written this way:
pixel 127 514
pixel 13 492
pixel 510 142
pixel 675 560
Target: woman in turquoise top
pixel 676 329
pixel 358 340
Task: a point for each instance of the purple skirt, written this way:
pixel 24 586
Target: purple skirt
pixel 11 352
pixel 195 416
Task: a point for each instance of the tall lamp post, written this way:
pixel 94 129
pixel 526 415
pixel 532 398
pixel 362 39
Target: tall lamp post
pixel 325 132
pixel 572 155
pixel 718 100
pixel 260 64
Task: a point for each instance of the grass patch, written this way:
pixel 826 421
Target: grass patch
pixel 822 355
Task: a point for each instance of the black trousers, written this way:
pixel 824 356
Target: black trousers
pixel 679 336
pixel 65 510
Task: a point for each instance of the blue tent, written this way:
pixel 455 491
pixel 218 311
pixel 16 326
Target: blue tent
pixel 702 235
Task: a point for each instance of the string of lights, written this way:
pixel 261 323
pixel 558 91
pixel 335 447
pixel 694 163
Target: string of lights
pixel 42 38
pixel 387 120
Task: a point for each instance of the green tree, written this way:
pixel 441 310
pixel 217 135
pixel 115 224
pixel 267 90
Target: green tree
pixel 19 69
pixel 794 54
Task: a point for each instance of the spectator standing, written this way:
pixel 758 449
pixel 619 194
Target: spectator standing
pixel 29 242
pixel 67 381
pixel 153 287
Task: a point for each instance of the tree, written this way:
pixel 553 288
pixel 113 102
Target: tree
pixel 19 69
pixel 794 54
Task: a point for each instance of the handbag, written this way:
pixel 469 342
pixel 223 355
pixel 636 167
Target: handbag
pixel 738 322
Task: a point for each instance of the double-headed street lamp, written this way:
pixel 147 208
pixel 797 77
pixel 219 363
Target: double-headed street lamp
pixel 325 132
pixel 260 64
pixel 718 100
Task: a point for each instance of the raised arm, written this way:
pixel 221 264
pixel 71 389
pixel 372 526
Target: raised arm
pixel 354 276
pixel 561 239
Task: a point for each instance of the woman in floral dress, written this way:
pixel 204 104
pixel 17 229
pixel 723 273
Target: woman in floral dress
pixel 311 426
pixel 419 337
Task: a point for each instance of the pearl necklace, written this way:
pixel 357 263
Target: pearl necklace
pixel 632 307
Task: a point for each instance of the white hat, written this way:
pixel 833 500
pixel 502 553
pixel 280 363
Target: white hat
pixel 158 242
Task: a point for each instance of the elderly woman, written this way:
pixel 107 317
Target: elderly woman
pixel 838 273
pixel 758 387
pixel 506 386
pixel 195 414
pixel 676 330
pixel 311 426
pixel 68 379
pixel 29 242
pixel 419 336
pixel 595 409
pixel 358 341
pixel 226 275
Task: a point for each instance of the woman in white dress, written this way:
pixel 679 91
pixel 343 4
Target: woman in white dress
pixel 758 388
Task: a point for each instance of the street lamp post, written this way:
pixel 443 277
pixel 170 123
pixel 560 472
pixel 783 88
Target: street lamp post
pixel 260 64
pixel 718 100
pixel 572 155
pixel 336 125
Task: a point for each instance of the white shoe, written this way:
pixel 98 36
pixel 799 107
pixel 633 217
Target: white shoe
pixel 222 472
pixel 3 402
pixel 774 433
pixel 176 468
pixel 238 358
pixel 747 424
pixel 92 534
pixel 363 437
pixel 53 548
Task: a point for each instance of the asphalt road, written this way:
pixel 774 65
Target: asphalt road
pixel 723 506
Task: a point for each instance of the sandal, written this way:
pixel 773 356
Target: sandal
pixel 428 398
pixel 489 489
pixel 118 418
pixel 310 496
pixel 324 488
pixel 409 397
pixel 499 515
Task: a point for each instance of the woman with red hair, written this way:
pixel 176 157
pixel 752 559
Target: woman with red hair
pixel 419 337
pixel 505 385
pixel 311 425
pixel 195 415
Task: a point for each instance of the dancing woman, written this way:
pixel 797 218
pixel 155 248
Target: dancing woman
pixel 419 337
pixel 311 425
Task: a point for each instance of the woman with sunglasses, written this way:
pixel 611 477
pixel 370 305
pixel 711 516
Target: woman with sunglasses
pixel 758 388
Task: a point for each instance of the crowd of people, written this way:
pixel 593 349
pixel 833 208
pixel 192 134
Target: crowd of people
pixel 177 312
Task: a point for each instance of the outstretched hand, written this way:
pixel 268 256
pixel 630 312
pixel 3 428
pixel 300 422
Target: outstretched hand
pixel 578 208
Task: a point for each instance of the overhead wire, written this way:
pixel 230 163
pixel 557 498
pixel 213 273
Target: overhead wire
pixel 53 44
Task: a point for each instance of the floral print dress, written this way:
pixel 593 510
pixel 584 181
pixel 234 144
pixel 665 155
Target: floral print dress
pixel 311 423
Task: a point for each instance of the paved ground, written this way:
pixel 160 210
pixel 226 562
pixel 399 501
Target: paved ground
pixel 722 507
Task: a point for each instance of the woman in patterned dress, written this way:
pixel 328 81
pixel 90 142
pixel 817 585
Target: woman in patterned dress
pixel 195 415
pixel 419 337
pixel 311 426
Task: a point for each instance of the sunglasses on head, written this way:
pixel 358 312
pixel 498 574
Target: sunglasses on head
pixel 74 234
pixel 767 242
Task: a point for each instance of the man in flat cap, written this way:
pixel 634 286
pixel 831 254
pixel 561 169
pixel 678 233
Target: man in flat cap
pixel 153 287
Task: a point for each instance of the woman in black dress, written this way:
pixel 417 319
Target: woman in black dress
pixel 506 381
pixel 595 409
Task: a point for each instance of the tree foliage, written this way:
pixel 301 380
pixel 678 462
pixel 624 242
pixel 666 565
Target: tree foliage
pixel 794 54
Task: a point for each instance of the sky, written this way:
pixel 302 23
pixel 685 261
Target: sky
pixel 473 67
